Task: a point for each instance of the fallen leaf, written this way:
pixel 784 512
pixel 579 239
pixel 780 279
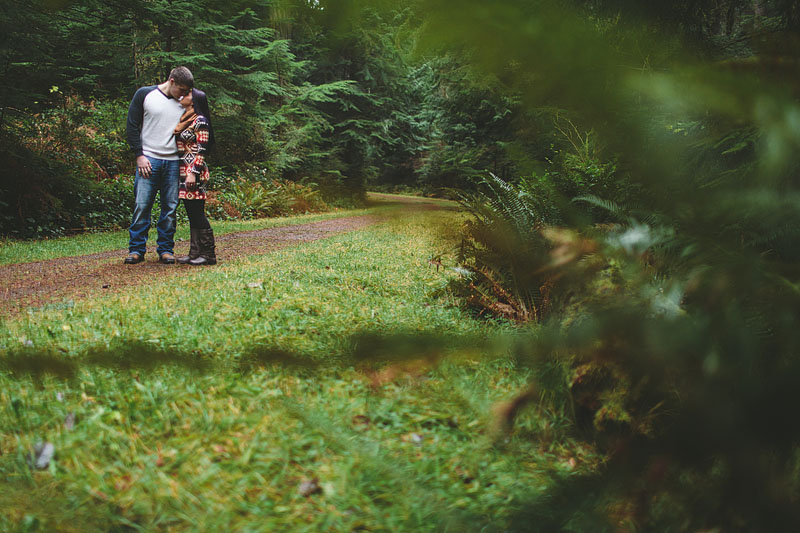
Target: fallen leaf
pixel 99 494
pixel 464 474
pixel 414 438
pixel 160 458
pixel 307 488
pixel 42 454
pixel 361 420
pixel 123 483
pixel 69 421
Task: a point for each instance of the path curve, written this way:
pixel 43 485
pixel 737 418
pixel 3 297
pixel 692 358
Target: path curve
pixel 33 285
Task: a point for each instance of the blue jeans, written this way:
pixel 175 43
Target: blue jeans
pixel 164 180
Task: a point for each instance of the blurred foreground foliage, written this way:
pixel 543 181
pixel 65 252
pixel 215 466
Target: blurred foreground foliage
pixel 659 279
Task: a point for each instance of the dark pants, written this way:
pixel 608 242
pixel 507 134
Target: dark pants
pixel 196 209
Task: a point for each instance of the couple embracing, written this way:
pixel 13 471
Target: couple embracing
pixel 169 130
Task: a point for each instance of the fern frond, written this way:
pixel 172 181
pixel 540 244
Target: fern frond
pixel 607 205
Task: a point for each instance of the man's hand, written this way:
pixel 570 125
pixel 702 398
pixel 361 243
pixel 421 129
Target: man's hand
pixel 143 166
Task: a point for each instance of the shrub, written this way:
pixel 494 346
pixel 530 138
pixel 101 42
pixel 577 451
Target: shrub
pixel 243 199
pixel 62 168
pixel 306 198
pixel 88 137
pixel 43 196
pixel 254 200
pixel 508 247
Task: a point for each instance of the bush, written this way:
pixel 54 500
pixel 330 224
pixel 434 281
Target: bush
pixel 305 197
pixel 88 137
pixel 41 196
pixel 252 200
pixel 507 247
pixel 240 198
pixel 62 168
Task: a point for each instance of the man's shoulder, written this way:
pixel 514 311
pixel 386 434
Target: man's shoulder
pixel 141 92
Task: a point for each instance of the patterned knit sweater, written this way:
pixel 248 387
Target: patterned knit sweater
pixel 192 146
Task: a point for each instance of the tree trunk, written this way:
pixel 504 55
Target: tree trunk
pixel 731 17
pixel 758 12
pixel 137 72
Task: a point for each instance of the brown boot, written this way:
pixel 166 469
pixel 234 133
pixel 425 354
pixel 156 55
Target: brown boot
pixel 208 255
pixel 194 248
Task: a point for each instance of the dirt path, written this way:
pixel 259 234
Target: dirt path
pixel 31 285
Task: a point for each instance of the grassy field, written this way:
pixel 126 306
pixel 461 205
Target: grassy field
pixel 247 397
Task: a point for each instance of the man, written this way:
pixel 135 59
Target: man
pixel 152 116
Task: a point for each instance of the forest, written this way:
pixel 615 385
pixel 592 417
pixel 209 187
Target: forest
pixel 570 301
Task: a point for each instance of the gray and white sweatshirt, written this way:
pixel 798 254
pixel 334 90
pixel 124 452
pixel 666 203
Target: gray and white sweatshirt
pixel 152 117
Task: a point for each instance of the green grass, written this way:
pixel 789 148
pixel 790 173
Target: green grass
pixel 195 429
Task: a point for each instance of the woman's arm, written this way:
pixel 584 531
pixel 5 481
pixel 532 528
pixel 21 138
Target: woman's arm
pixel 198 165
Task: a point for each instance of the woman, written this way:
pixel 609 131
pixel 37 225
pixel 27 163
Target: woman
pixel 195 137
